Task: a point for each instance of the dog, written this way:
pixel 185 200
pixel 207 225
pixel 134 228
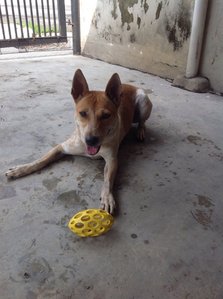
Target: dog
pixel 103 118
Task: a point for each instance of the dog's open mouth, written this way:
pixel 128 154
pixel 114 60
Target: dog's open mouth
pixel 92 150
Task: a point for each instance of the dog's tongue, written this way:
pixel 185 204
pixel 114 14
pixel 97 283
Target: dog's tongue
pixel 92 150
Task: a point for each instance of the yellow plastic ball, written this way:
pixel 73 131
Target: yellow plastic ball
pixel 91 223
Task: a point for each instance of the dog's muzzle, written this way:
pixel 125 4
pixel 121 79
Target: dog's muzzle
pixel 93 146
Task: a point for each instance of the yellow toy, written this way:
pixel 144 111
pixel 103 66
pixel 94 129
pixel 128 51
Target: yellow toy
pixel 91 223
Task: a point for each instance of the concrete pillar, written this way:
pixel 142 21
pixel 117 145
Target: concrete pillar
pixel 75 16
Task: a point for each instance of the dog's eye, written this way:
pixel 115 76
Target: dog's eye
pixel 105 116
pixel 83 113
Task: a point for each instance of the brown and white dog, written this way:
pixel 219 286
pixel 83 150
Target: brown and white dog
pixel 102 120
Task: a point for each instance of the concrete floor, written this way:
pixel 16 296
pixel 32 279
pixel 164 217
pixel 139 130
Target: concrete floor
pixel 167 240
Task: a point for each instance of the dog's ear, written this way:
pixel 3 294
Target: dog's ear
pixel 113 89
pixel 79 86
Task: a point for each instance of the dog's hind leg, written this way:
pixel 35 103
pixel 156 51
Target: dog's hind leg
pixel 25 169
pixel 143 111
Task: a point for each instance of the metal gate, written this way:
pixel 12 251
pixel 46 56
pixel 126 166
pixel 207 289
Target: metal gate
pixel 32 22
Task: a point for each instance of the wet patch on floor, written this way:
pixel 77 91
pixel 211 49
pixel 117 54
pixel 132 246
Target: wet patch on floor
pixel 33 270
pixel 12 76
pixel 196 140
pixel 204 201
pixel 213 150
pixel 81 180
pixel 203 211
pixel 39 91
pixel 51 184
pixel 71 199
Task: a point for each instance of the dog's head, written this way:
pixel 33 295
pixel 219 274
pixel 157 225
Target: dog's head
pixel 96 111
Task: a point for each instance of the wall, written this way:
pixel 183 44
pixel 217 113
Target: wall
pixel 212 58
pixel 148 35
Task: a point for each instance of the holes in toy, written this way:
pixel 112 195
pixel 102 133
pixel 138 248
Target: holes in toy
pixel 78 215
pixel 106 222
pixel 97 216
pixel 92 224
pixel 79 225
pixel 85 218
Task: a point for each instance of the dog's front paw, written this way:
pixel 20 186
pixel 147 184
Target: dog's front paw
pixel 108 203
pixel 16 172
pixel 141 131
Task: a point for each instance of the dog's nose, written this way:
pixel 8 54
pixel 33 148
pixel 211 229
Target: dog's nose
pixel 92 140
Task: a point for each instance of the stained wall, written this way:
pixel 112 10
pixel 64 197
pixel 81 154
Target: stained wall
pixel 148 35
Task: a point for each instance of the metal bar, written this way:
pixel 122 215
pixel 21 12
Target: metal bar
pixel 3 30
pixel 26 17
pixel 196 38
pixel 37 15
pixel 48 13
pixel 20 18
pixel 61 17
pixel 54 18
pixel 14 20
pixel 75 15
pixel 32 20
pixel 8 21
pixel 43 15
pixel 30 41
pixel 37 10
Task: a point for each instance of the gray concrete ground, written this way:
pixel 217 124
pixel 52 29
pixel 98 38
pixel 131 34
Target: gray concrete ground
pixel 167 240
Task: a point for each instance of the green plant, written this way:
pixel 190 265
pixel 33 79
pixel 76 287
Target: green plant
pixel 38 28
